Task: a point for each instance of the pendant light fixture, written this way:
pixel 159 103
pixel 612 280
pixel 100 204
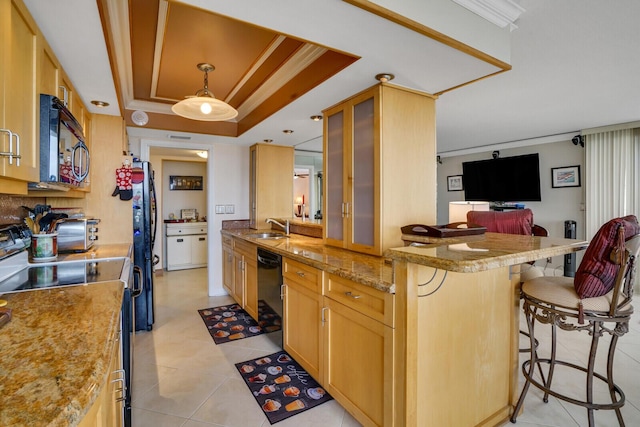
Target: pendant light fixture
pixel 204 106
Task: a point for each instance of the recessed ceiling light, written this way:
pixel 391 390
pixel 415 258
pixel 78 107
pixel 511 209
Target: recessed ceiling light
pixel 385 77
pixel 101 104
pixel 288 131
pixel 316 118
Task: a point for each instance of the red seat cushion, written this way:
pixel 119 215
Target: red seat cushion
pixel 519 221
pixel 596 274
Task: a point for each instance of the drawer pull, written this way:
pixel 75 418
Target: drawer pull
pixel 300 273
pixel 349 294
pixel 179 240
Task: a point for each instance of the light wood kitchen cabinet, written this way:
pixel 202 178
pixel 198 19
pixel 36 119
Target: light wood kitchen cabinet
pixel 227 263
pixel 302 333
pixel 245 289
pixel 48 70
pixel 108 409
pixel 251 285
pixel 18 106
pixel 270 184
pixel 359 350
pixel 368 200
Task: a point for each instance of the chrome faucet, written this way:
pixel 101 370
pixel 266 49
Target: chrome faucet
pixel 284 226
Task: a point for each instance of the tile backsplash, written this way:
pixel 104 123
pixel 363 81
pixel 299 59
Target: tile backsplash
pixel 11 210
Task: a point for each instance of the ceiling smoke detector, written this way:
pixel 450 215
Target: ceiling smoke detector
pixel 139 117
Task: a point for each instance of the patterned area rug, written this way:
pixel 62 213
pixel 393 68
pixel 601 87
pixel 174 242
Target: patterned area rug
pixel 230 322
pixel 281 387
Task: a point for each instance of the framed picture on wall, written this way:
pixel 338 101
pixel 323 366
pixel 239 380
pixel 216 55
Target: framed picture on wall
pixel 454 183
pixel 182 182
pixel 566 176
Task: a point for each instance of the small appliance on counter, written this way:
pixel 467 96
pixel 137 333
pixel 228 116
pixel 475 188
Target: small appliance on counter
pixel 77 234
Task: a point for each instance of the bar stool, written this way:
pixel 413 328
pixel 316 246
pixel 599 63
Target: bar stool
pixel 554 301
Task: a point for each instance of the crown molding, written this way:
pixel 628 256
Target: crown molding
pixel 498 12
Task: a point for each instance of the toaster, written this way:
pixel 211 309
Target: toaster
pixel 77 235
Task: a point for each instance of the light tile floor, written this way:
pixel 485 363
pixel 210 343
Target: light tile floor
pixel 182 378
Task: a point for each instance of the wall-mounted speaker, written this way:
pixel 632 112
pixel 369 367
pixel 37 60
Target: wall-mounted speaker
pixel 578 140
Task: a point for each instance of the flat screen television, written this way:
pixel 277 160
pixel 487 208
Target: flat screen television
pixel 506 179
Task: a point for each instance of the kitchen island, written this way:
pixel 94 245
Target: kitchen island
pixel 447 342
pixel 457 330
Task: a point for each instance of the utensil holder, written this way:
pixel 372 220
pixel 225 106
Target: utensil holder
pixel 44 247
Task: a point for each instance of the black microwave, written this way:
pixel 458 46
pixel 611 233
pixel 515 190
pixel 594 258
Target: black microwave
pixel 64 156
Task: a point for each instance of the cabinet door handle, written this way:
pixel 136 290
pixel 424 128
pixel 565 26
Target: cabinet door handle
pixel 322 316
pixel 300 273
pixel 10 154
pixel 179 240
pixel 282 291
pixel 350 295
pixel 202 239
pixel 346 209
pixel 342 210
pixel 17 155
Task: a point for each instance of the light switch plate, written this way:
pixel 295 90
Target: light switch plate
pixel 219 209
pixel 229 209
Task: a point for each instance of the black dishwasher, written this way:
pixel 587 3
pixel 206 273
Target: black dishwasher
pixel 270 288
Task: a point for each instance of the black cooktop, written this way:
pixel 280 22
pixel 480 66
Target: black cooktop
pixel 62 274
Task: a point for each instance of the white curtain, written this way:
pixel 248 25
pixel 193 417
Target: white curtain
pixel 612 174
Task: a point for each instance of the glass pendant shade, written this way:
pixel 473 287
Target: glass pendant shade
pixel 204 106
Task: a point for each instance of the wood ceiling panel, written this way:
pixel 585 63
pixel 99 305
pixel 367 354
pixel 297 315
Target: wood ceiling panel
pixel 320 70
pixel 245 56
pixel 193 36
pixel 278 57
pixel 143 20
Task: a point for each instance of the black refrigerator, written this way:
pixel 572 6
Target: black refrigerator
pixel 145 222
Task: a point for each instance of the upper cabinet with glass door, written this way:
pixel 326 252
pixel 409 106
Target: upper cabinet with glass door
pixel 380 169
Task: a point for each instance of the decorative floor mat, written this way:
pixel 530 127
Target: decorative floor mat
pixel 230 322
pixel 281 387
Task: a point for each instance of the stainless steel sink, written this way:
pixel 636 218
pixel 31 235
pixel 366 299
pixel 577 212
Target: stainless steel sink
pixel 269 235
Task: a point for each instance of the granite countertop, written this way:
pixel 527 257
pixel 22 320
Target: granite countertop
pixel 366 269
pixel 465 254
pixel 55 353
pixel 482 252
pixel 114 250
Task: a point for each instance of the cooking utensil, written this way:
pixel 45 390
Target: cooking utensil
pixel 29 221
pixel 49 221
pixel 36 223
pixel 45 222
